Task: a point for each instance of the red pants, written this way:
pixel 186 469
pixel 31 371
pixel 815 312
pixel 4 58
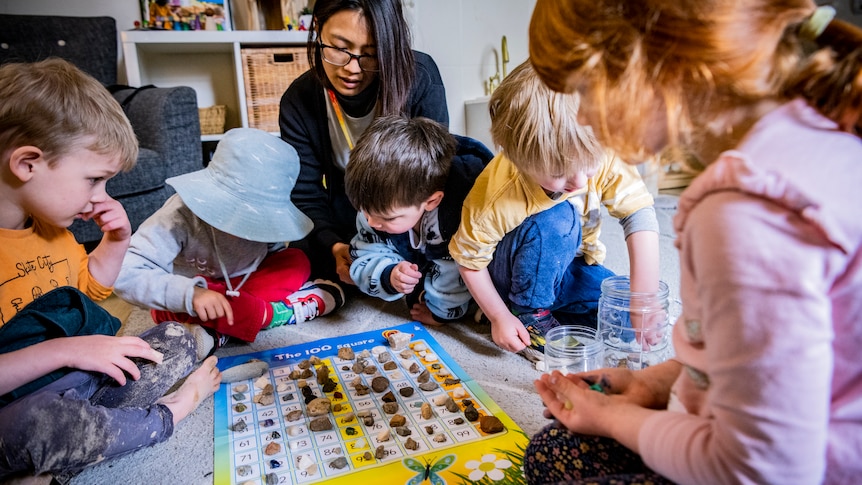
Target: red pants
pixel 279 275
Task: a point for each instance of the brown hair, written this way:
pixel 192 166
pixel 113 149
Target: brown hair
pixel 398 162
pixel 56 107
pixel 538 128
pixel 391 37
pixel 692 57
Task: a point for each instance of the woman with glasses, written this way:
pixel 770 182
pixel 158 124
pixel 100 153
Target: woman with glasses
pixel 362 67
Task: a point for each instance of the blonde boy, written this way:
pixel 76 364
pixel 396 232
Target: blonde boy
pixel 71 393
pixel 528 245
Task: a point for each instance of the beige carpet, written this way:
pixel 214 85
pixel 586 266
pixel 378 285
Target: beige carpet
pixel 187 457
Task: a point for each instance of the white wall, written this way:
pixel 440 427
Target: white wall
pixel 461 35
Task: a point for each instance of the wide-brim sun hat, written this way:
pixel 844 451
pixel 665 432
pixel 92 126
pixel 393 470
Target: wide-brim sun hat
pixel 245 190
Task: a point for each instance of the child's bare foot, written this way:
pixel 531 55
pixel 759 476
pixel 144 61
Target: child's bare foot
pixel 421 313
pixel 199 385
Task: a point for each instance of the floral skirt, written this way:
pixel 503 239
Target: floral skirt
pixel 556 455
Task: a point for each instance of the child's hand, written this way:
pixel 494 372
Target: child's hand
pixel 509 333
pixel 109 355
pixel 573 403
pixel 404 277
pixel 341 253
pixel 112 219
pixel 211 305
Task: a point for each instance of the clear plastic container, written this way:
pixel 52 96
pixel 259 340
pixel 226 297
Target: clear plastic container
pixel 571 349
pixel 635 327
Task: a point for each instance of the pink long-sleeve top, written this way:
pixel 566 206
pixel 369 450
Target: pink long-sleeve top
pixel 770 240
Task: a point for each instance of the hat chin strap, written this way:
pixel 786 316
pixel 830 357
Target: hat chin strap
pixel 231 291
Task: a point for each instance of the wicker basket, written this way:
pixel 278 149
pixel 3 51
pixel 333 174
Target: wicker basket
pixel 212 119
pixel 267 73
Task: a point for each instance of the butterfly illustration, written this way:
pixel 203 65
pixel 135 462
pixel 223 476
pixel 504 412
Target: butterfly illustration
pixel 429 470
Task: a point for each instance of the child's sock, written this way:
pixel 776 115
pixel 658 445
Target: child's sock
pixel 282 314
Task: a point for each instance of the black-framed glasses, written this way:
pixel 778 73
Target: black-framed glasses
pixel 341 57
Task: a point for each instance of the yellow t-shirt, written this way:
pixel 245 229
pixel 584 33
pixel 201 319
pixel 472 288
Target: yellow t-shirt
pixel 502 198
pixel 38 259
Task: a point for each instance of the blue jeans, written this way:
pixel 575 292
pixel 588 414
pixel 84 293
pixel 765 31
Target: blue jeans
pixel 85 417
pixel 536 266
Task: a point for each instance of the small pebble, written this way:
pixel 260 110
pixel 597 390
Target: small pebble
pixel 411 444
pixel 383 436
pixel 406 391
pixel 338 463
pixel 439 438
pixel 403 431
pixel 367 456
pixel 380 452
pixel 273 448
pixel 346 353
pixel 430 357
pixel 419 347
pixel 240 388
pixel 397 420
pixel 459 392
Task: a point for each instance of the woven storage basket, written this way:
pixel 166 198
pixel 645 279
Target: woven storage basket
pixel 212 119
pixel 267 72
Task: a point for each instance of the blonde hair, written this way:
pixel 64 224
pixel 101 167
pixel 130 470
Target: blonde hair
pixel 537 128
pixel 692 57
pixel 56 107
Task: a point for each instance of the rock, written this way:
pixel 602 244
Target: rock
pixel 338 463
pixel 322 374
pixel 379 384
pixel 265 399
pixel 406 353
pixel 383 436
pixel 306 373
pixel 346 353
pixel 390 365
pixel 411 444
pixel 425 376
pixel 350 431
pixel 239 426
pixel 384 357
pixel 451 405
pixel 330 385
pixel 398 340
pixel 425 411
pixel 441 399
pixel 304 364
pixel 368 420
pixel 314 360
pixel 471 413
pixel 358 367
pixel 430 357
pixel 370 369
pixel 240 407
pixel 406 391
pixel 367 456
pixel 458 421
pixel 440 438
pixel 336 407
pixel 397 420
pixel 294 430
pixel 260 383
pixel 459 393
pixel 403 431
pixel 414 368
pixel 239 387
pixel 319 406
pixel 320 424
pixel 348 418
pixel 252 369
pixel 428 386
pixel 390 407
pixel 490 424
pixel 451 382
pixel 273 448
pixel 271 478
pixel 244 470
pixel 419 347
pixel 388 397
pixel 380 452
pixel 294 415
pixel 429 429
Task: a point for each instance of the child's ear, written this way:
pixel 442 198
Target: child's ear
pixel 22 161
pixel 432 202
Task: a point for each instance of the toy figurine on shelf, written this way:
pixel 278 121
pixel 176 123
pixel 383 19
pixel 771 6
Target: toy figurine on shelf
pixel 160 14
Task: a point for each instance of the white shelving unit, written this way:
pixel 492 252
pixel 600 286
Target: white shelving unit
pixel 210 62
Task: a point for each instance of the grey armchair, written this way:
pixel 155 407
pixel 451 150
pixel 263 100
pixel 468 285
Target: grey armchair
pixel 164 119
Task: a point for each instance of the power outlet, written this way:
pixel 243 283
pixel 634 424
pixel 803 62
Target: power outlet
pixel 856 7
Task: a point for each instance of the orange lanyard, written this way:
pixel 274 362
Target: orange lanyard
pixel 340 117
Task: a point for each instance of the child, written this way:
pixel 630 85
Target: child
pixel 521 248
pixel 766 385
pixel 214 254
pixel 62 136
pixel 408 178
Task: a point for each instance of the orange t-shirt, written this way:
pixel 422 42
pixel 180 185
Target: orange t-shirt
pixel 38 259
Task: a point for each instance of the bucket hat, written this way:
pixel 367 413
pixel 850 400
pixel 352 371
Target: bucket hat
pixel 245 190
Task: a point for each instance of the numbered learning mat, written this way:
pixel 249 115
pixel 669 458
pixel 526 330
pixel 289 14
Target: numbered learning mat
pixel 389 406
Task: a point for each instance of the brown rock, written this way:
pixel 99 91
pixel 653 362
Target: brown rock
pixel 273 448
pixel 397 420
pixel 406 391
pixel 425 411
pixel 319 406
pixel 346 353
pixel 490 424
pixel 391 365
pixel 320 424
pixel 379 384
pixel 390 407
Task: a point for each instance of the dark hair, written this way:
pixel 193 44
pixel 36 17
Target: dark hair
pixel 392 38
pixel 398 162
